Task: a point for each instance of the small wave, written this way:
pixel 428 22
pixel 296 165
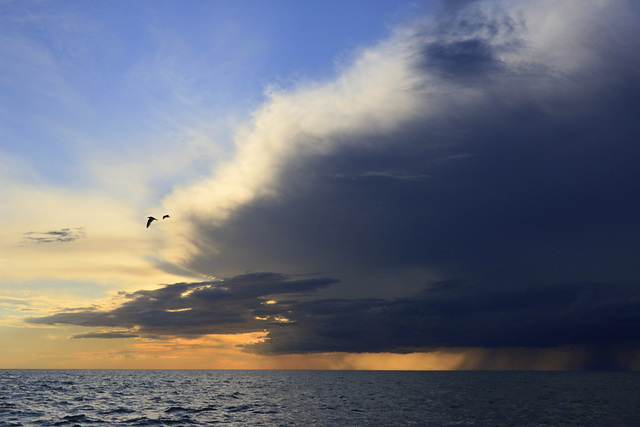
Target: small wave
pixel 83 408
pixel 207 408
pixel 266 411
pixel 240 408
pixel 181 421
pixel 81 418
pixel 174 409
pixel 234 395
pixel 7 405
pixel 143 421
pixel 119 410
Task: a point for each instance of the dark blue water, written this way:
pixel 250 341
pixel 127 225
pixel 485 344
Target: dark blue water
pixel 320 398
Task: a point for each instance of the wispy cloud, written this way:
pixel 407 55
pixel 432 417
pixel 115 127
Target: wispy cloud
pixel 12 301
pixel 107 335
pixel 64 235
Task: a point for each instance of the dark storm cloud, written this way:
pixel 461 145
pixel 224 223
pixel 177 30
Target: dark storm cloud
pixel 527 173
pixel 524 182
pixel 460 314
pixel 234 305
pixel 444 314
pixel 504 214
pixel 468 46
pixel 64 235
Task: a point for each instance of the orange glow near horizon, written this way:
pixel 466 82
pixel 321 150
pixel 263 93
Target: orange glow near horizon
pixel 56 351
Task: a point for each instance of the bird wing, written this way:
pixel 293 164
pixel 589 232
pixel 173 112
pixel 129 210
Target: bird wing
pixel 150 220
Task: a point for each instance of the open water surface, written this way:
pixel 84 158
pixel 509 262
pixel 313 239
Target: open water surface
pixel 317 398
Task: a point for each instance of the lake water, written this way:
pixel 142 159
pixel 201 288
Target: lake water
pixel 317 398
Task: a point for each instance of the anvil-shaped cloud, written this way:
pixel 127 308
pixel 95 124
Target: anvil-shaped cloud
pixel 472 181
pixel 491 142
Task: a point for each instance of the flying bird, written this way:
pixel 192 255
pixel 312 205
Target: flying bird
pixel 166 216
pixel 150 219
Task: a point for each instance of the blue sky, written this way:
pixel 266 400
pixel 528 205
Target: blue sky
pixel 83 75
pixel 362 184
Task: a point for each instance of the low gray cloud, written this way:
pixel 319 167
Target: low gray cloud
pixel 444 314
pixel 64 235
pixel 234 305
pixel 106 335
pixel 461 314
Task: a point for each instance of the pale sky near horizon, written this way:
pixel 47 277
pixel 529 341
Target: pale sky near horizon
pixel 371 184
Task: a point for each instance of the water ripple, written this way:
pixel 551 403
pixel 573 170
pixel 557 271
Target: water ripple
pixel 315 398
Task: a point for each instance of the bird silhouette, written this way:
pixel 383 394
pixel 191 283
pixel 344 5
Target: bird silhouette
pixel 166 216
pixel 150 219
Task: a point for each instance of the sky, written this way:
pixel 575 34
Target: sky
pixel 372 184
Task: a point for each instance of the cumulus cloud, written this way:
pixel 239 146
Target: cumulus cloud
pixel 373 95
pixel 520 158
